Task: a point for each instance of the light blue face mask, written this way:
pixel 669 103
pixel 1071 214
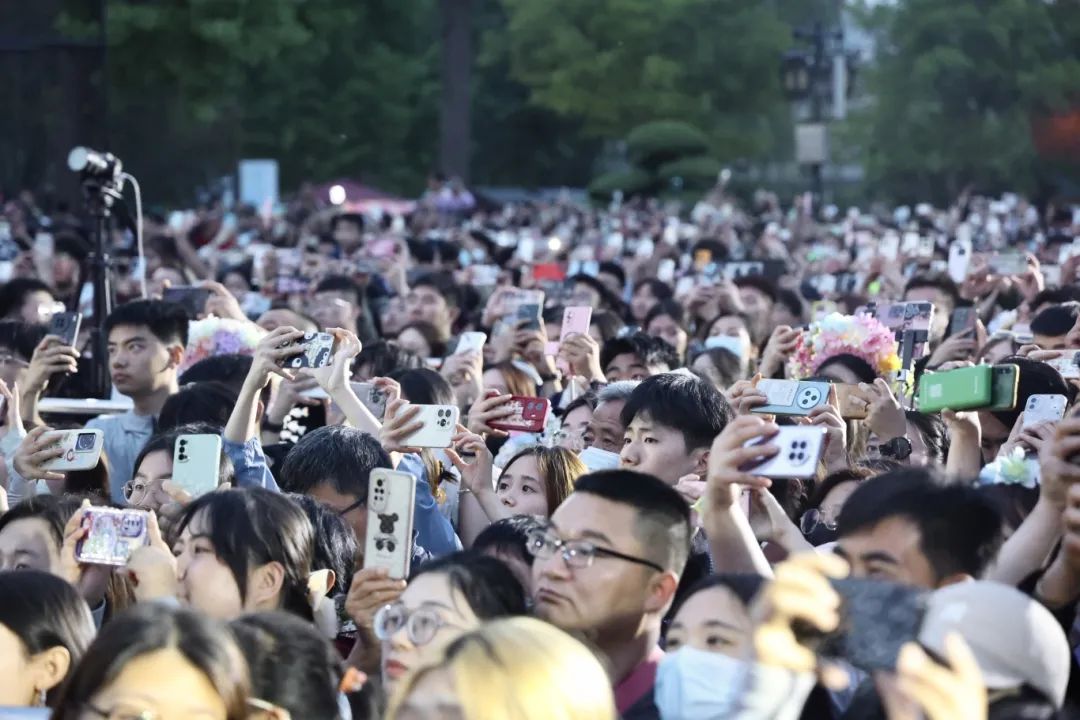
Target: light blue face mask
pixel 596 459
pixel 692 683
pixel 733 345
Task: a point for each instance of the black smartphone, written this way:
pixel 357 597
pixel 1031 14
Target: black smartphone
pixel 528 317
pixel 65 325
pixel 962 320
pixel 192 299
pixel 876 619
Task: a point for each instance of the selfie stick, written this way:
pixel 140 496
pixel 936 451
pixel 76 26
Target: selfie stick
pixel 100 174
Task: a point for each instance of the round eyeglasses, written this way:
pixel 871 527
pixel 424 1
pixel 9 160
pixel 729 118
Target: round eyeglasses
pixel 421 625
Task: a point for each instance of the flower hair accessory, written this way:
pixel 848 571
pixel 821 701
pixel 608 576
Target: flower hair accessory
pixel 220 336
pixel 863 336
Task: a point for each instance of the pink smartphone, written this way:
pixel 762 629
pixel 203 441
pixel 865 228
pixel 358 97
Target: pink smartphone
pixel 575 321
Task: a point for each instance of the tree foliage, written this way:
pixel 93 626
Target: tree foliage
pixel 955 87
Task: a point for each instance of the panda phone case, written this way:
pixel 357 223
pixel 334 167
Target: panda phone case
pixel 112 535
pixel 440 425
pixel 390 506
pixel 197 463
pixel 792 397
pixel 82 449
pixel 800 452
pixel 530 414
pixel 317 349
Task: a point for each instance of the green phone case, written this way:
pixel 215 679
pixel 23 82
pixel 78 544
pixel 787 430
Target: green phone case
pixel 1006 383
pixel 960 389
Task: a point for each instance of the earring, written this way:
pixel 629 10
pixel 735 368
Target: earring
pixel 42 698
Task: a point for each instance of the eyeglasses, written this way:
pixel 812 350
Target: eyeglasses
pixel 577 553
pixel 574 440
pixel 421 625
pixel 349 508
pixel 121 712
pixel 814 517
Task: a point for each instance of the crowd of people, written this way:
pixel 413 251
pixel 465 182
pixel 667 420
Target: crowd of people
pixel 654 545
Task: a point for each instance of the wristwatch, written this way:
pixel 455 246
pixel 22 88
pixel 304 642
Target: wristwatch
pixel 899 448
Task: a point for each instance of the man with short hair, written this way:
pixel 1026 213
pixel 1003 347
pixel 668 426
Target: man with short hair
pixel 1053 323
pixel 435 299
pixel 146 341
pixel 339 302
pixel 347 230
pixel 671 421
pixel 906 526
pixel 607 565
pixel 606 425
pixel 942 292
pixel 636 357
pixel 27 299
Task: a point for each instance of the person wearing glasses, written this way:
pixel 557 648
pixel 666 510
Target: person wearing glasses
pixel 147 490
pixel 444 599
pixel 607 565
pixel 155 662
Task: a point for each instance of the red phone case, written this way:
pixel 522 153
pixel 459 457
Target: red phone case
pixel 529 416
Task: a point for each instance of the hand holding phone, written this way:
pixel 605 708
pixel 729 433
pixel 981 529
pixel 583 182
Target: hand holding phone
pixel 576 321
pixel 391 504
pixel 1044 409
pixel 317 348
pixel 79 449
pixel 66 325
pixel 191 298
pixel 111 535
pixel 438 424
pixel 529 415
pixel 197 464
pixel 800 450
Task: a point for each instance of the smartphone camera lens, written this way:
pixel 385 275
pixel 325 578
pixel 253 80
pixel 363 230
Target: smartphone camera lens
pixel 379 483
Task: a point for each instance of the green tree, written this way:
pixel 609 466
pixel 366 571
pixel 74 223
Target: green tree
pixel 955 86
pixel 615 64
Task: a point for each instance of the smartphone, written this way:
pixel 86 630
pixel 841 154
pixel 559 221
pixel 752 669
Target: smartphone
pixel 1068 364
pixel 849 410
pixel 528 317
pixel 391 505
pixel 876 619
pixel 961 389
pixel 113 535
pixel 317 350
pixel 82 449
pixel 792 397
pixel 1005 383
pixel 197 463
pixel 800 451
pixel 665 271
pixel 440 424
pixel 470 342
pixel 1008 264
pixel 65 325
pixel 1044 408
pixel 962 320
pixel 575 321
pixel 371 397
pixel 192 299
pixel 530 415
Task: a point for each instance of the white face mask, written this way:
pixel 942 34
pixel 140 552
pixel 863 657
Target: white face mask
pixel 731 343
pixel 596 459
pixel 692 683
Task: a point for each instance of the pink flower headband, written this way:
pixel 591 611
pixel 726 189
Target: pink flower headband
pixel 862 336
pixel 220 336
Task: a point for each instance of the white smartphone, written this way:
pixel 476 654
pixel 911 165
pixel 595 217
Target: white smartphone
pixel 1044 408
pixel 197 463
pixel 390 506
pixel 440 424
pixel 82 449
pixel 470 342
pixel 665 271
pixel 371 397
pixel 800 452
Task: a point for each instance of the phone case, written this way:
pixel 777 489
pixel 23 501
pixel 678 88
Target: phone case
pixel 849 410
pixel 530 414
pixel 192 299
pixel 792 397
pixel 318 347
pixel 528 316
pixel 961 389
pixel 1005 382
pixel 440 424
pixel 470 342
pixel 197 463
pixel 876 620
pixel 390 507
pixel 82 449
pixel 962 320
pixel 113 535
pixel 372 398
pixel 575 321
pixel 800 451
pixel 1068 364
pixel 65 325
pixel 1044 408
